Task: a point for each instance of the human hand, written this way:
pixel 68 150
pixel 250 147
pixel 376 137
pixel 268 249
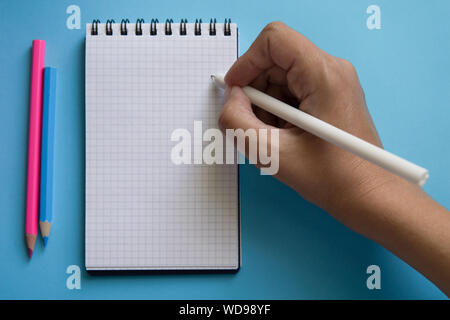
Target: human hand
pixel 368 199
pixel 287 66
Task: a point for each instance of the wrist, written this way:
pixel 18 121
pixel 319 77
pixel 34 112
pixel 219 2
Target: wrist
pixel 384 208
pixel 364 193
pixel 402 218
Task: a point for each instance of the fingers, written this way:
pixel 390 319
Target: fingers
pixel 265 116
pixel 272 76
pixel 238 115
pixel 237 112
pixel 273 82
pixel 281 47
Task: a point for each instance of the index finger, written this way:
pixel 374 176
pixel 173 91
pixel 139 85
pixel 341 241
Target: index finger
pixel 277 45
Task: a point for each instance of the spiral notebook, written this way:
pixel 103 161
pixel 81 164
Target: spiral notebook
pixel 143 211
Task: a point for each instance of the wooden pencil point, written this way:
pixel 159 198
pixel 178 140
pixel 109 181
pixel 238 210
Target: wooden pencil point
pixel 31 241
pixel 45 228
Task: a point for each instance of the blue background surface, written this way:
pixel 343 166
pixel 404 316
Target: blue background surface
pixel 291 249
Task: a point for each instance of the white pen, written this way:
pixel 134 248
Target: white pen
pixel 336 136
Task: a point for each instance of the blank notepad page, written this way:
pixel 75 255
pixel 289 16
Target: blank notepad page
pixel 143 211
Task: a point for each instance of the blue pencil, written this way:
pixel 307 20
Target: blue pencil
pixel 47 154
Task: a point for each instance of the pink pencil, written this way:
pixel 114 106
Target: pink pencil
pixel 34 144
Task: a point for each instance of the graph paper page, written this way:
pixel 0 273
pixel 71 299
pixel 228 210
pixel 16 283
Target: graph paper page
pixel 143 212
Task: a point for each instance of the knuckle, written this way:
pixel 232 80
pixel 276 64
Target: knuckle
pixel 339 72
pixel 275 26
pixel 347 65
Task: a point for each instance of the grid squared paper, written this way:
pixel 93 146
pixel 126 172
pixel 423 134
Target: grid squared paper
pixel 142 211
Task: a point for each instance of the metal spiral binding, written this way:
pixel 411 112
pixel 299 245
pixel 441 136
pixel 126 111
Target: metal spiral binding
pixel 183 31
pixel 198 27
pixel 109 30
pixel 138 29
pixel 94 27
pixel 227 27
pixel 123 27
pixel 168 27
pixel 153 29
pixel 212 27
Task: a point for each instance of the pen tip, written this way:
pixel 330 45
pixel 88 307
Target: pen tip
pixel 45 241
pixel 30 253
pixel 212 77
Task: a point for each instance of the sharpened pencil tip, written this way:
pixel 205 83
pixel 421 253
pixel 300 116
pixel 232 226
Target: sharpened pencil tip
pixel 45 241
pixel 30 253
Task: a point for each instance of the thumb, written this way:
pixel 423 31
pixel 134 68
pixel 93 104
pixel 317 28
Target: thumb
pixel 237 112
